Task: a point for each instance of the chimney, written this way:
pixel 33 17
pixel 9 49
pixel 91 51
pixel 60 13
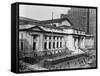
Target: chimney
pixel 63 16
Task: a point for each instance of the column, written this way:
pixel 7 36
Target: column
pixel 70 42
pixel 79 42
pixel 41 44
pixel 73 48
pixel 62 42
pixel 65 41
pixel 37 43
pixel 59 42
pixel 83 43
pixel 76 43
pixel 52 43
pixel 92 42
pixel 55 42
pixel 47 42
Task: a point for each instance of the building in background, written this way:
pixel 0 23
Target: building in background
pixel 84 19
pixel 79 18
pixel 92 24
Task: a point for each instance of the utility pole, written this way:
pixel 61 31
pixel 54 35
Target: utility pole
pixel 52 22
pixel 52 30
pixel 52 18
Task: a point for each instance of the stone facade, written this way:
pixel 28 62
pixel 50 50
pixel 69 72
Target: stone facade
pixel 53 39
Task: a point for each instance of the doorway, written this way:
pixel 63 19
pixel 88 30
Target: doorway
pixel 34 45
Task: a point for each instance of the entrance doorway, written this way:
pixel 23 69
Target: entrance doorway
pixel 34 45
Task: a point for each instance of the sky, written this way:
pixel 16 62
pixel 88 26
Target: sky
pixel 41 12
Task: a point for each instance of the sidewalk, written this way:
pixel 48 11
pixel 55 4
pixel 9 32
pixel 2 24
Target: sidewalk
pixel 36 67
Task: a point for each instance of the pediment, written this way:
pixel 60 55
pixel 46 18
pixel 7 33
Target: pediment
pixel 66 22
pixel 36 28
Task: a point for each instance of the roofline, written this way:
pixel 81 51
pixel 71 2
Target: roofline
pixel 59 19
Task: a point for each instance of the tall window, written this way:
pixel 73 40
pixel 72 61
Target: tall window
pixel 50 37
pixel 22 42
pixel 45 42
pixel 45 45
pixel 22 46
pixel 53 44
pixel 45 37
pixel 57 44
pixel 79 42
pixel 49 42
pixel 49 45
pixel 60 44
pixel 75 42
pixel 34 37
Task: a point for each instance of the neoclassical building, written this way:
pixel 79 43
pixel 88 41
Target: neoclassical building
pixel 52 37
